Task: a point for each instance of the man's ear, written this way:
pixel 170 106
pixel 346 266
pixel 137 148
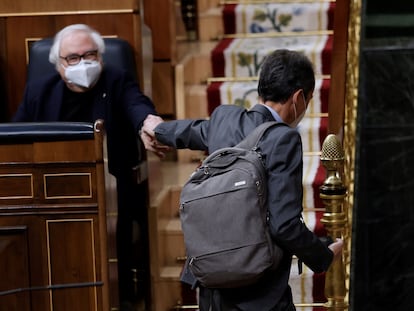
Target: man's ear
pixel 296 95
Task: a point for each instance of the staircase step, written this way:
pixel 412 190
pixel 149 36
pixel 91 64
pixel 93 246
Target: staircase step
pixel 210 24
pixel 250 52
pixel 166 294
pixel 279 17
pixel 196 101
pixel 171 226
pixel 196 60
pixel 307 286
pixel 204 5
pixel 171 272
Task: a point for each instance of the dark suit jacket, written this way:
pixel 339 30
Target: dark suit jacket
pixel 117 100
pixel 282 150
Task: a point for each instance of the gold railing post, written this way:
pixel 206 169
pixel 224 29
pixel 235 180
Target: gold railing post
pixel 333 193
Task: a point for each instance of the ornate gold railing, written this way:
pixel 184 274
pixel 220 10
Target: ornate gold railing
pixel 340 224
pixel 333 193
pixel 349 139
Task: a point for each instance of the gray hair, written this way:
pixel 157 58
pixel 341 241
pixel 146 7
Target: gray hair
pixel 55 49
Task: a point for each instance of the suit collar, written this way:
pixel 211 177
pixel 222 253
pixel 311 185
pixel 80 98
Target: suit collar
pixel 260 108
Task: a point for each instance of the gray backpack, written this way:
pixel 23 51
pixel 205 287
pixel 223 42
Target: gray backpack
pixel 223 212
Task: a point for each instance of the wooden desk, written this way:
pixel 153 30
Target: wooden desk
pixel 52 217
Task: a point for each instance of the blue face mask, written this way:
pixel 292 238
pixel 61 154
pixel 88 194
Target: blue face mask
pixel 84 74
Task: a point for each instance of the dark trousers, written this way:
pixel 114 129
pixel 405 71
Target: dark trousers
pixel 132 240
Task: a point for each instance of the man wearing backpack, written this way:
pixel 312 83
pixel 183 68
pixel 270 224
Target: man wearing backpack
pixel 286 85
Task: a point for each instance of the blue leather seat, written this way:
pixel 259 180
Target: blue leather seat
pixel 26 132
pixel 118 53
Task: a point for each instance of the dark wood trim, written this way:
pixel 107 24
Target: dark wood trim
pixel 338 72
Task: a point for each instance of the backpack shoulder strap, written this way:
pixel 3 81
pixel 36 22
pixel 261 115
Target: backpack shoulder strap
pixel 251 140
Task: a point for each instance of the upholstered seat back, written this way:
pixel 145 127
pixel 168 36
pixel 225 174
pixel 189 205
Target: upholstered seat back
pixel 118 53
pixel 28 132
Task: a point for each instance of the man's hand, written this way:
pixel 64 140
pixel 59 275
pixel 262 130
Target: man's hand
pixel 336 248
pixel 148 136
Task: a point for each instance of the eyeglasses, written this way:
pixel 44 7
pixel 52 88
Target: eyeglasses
pixel 74 59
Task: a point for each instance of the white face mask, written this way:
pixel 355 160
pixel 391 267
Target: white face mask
pixel 83 74
pixel 297 120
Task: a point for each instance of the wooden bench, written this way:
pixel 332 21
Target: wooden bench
pixel 53 239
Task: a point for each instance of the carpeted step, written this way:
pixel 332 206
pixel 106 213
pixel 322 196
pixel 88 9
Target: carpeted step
pixel 313 129
pixel 313 177
pixel 279 17
pixel 242 57
pixel 210 24
pixel 307 287
pixel 244 93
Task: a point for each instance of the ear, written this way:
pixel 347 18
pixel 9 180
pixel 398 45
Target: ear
pixel 296 95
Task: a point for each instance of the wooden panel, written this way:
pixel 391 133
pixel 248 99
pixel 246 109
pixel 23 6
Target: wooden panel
pixel 163 34
pixel 163 79
pixel 68 185
pixel 338 71
pixel 4 114
pixel 48 184
pixel 16 153
pixel 111 225
pixel 73 151
pixel 21 30
pixel 15 273
pixel 16 186
pixel 29 6
pixel 24 28
pixel 113 284
pixel 71 268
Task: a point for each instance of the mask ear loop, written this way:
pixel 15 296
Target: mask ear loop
pixel 294 108
pixel 304 100
pixel 294 104
pixel 63 66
